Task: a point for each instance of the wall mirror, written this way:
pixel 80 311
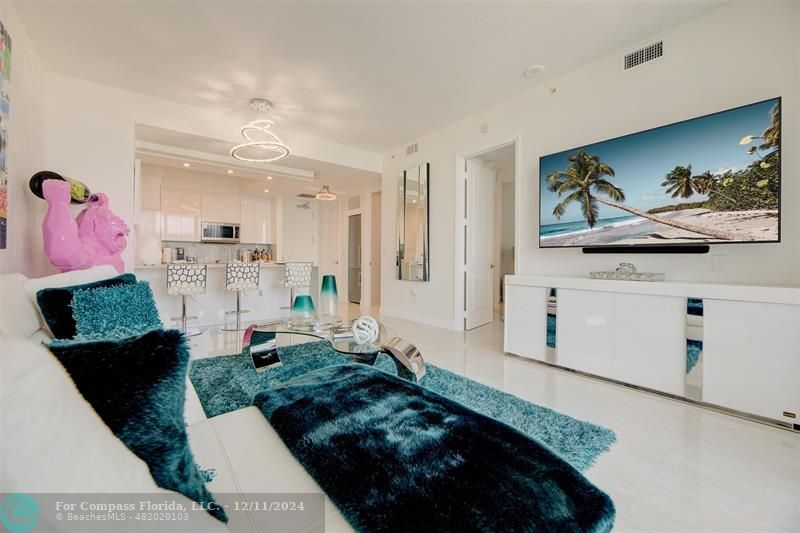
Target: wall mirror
pixel 413 224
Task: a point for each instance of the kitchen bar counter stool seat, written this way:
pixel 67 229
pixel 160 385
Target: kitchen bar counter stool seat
pixel 240 277
pixel 297 276
pixel 186 280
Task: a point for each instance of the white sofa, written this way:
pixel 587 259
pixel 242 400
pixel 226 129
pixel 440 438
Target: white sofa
pixel 39 400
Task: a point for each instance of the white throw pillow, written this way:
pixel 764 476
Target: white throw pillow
pixel 51 439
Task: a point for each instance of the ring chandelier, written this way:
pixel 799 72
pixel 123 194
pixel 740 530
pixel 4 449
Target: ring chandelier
pixel 264 138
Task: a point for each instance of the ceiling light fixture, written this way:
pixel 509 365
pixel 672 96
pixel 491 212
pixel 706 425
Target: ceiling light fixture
pixel 230 171
pixel 266 190
pixel 269 177
pixel 257 134
pixel 187 165
pixel 325 194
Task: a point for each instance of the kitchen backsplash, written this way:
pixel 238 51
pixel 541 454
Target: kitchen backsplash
pixel 213 252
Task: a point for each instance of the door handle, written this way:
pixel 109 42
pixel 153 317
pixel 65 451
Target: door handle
pixel 492 265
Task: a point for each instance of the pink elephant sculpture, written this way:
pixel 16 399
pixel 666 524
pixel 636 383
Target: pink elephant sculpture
pixel 95 237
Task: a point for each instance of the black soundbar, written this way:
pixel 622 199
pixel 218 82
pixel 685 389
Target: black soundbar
pixel 649 249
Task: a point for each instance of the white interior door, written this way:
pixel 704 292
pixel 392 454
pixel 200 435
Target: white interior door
pixel 479 244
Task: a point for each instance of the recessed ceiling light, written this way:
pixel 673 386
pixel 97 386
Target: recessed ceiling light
pixel 269 177
pixel 533 71
pixel 187 165
pixel 230 171
pixel 266 190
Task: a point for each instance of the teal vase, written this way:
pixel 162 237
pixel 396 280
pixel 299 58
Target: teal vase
pixel 329 299
pixel 303 312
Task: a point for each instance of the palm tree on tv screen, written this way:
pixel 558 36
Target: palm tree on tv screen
pixel 584 182
pixel 681 183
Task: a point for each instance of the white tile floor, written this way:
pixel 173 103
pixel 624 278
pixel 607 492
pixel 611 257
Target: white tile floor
pixel 674 467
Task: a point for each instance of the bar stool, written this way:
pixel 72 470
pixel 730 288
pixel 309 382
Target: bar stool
pixel 186 280
pixel 240 277
pixel 296 276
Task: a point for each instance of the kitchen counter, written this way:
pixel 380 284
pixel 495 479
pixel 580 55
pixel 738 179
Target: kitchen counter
pixel 263 303
pixel 210 265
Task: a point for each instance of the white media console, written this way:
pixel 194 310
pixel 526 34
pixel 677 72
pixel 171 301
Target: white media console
pixel 635 332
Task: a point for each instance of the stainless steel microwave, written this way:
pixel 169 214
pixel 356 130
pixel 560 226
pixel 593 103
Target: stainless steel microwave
pixel 219 232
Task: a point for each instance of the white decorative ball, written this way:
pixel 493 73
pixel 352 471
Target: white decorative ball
pixel 365 329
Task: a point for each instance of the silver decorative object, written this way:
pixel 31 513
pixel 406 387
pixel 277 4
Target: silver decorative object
pixel 627 272
pixel 407 359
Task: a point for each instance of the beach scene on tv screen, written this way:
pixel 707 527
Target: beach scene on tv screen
pixel 708 180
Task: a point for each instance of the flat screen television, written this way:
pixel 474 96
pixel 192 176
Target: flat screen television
pixel 709 180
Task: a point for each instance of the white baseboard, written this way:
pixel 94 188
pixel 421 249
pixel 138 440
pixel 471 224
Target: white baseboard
pixel 421 319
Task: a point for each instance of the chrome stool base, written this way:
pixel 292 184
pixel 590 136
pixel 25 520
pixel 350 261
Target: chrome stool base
pixel 184 319
pixel 238 326
pixel 194 332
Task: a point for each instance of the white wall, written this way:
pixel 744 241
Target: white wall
pixel 732 56
pixel 90 135
pixel 26 152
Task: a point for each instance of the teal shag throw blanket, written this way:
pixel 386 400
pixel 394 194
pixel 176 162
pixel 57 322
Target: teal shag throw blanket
pixel 137 386
pixel 397 457
pixel 228 383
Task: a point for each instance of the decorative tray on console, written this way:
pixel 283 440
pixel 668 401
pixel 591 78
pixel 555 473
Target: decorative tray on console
pixel 627 272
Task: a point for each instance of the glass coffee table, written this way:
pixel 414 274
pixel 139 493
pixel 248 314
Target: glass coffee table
pixel 260 342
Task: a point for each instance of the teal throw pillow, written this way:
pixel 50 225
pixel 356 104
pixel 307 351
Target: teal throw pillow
pixel 115 312
pixel 55 302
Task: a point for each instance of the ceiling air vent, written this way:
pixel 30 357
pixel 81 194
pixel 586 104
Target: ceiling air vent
pixel 643 55
pixel 412 149
pixel 307 196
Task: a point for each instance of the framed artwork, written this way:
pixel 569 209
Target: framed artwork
pixel 5 80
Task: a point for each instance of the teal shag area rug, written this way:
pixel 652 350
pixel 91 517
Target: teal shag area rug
pixel 228 383
pixel 396 457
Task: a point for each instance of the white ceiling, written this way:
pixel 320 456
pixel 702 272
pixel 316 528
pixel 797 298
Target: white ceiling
pixel 370 75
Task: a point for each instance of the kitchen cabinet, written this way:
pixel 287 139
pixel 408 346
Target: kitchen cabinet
pixel 221 208
pixel 151 195
pixel 256 221
pixel 180 215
